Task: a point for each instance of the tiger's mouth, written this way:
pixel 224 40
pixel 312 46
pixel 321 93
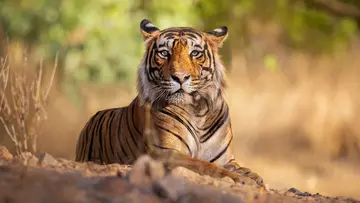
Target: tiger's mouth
pixel 179 91
pixel 179 97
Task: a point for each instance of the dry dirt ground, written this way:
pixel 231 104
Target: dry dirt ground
pixel 43 178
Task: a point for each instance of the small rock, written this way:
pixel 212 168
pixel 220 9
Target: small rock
pixel 294 190
pixel 5 154
pixel 299 193
pixel 32 161
pixel 145 171
pixel 305 194
pixel 46 159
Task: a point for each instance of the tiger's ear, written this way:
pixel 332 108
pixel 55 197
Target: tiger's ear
pixel 148 29
pixel 217 36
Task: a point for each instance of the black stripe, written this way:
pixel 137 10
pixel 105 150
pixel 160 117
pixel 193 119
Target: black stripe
pixel 106 136
pixel 219 123
pixel 180 107
pixel 99 134
pixel 131 151
pixel 206 69
pixel 174 41
pixel 93 134
pixel 191 35
pixel 208 55
pixel 148 58
pixel 152 72
pixel 167 32
pixel 150 76
pixel 198 46
pixel 188 125
pixel 130 132
pixel 169 35
pixel 133 121
pixel 203 58
pixel 119 140
pixel 222 152
pixel 148 53
pixel 109 127
pixel 88 132
pixel 85 136
pixel 189 30
pixel 211 58
pixel 231 160
pixel 161 45
pixel 162 147
pixel 205 128
pixel 206 46
pixel 177 136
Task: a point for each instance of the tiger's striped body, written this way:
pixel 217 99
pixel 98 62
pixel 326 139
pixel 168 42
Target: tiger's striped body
pixel 205 136
pixel 182 78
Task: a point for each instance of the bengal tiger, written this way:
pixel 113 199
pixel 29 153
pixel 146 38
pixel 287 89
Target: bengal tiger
pixel 183 80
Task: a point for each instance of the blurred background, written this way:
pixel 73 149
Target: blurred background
pixel 293 69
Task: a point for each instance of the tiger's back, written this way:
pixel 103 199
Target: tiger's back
pixel 112 136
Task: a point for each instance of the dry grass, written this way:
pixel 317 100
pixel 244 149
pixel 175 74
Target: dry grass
pixel 22 103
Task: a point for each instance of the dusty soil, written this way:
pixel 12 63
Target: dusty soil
pixel 44 178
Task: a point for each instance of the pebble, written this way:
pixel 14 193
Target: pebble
pixel 5 154
pixel 46 159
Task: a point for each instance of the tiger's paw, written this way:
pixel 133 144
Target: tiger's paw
pixel 234 167
pixel 248 173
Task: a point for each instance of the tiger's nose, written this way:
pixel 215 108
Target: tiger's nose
pixel 180 77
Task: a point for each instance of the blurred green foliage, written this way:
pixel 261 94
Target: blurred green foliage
pixel 100 39
pixel 271 63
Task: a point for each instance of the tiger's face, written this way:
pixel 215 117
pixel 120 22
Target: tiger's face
pixel 180 65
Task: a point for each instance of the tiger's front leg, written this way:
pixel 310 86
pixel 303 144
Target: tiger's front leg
pixel 227 161
pixel 177 153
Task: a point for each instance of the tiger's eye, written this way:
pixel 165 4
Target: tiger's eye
pixel 164 53
pixel 195 54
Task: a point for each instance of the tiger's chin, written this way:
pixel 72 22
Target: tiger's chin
pixel 177 98
pixel 180 98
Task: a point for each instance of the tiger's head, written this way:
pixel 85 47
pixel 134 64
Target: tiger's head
pixel 180 65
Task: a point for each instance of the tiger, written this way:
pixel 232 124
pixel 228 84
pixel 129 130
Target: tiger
pixel 181 81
